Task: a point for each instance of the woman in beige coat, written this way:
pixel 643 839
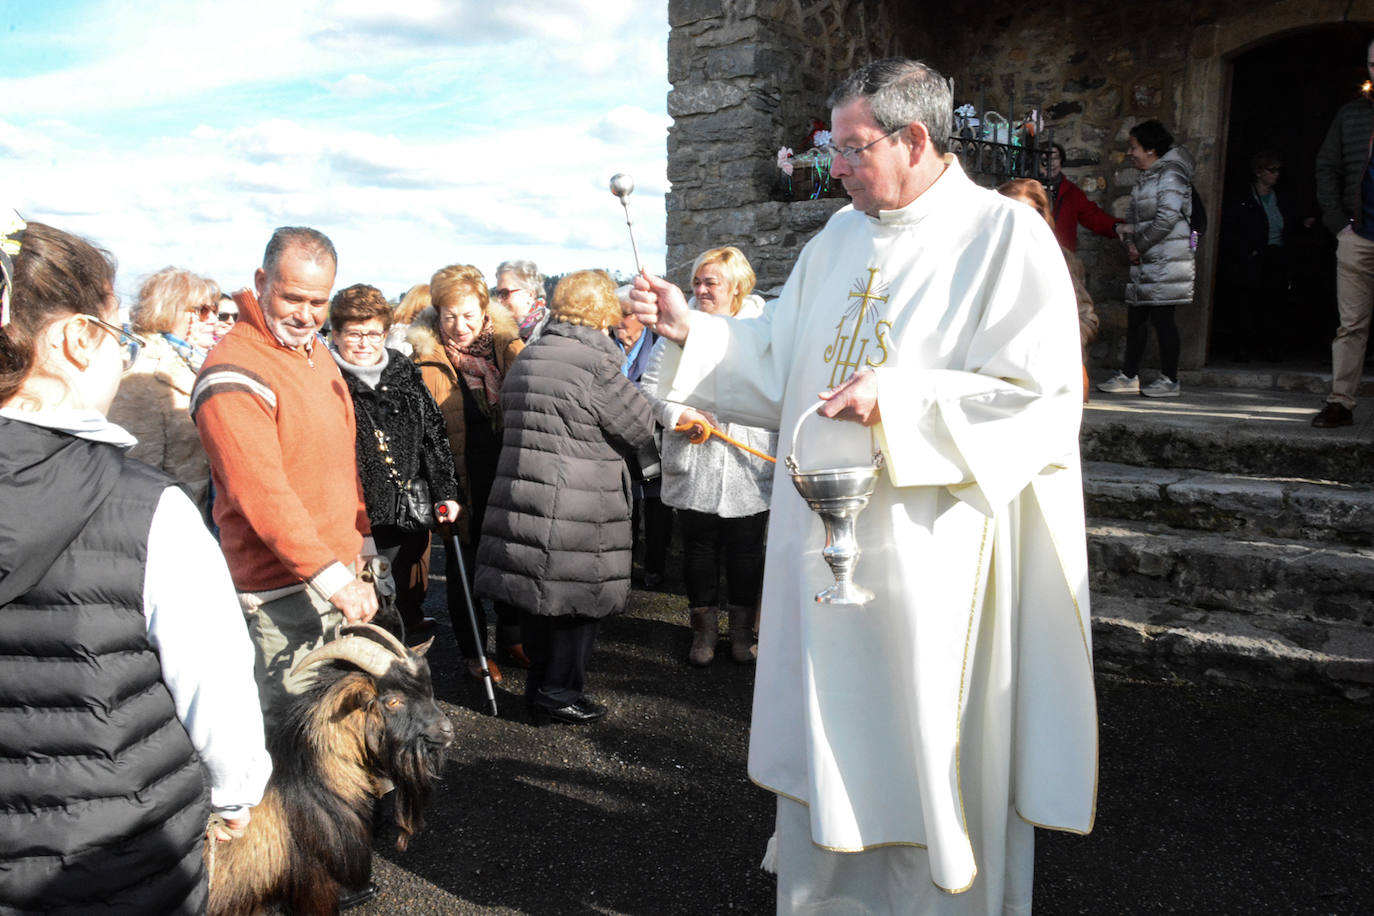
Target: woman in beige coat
pixel 175 313
pixel 464 349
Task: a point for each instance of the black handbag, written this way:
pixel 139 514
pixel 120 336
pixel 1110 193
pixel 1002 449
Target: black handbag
pixel 417 505
pixel 414 505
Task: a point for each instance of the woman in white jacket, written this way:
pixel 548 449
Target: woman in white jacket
pixel 721 492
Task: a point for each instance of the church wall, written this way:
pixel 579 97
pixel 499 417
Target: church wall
pixel 748 75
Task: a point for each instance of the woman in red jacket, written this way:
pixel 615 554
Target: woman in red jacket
pixel 1072 207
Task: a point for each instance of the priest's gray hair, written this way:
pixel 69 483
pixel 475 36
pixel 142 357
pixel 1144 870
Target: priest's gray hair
pixel 526 275
pixel 902 92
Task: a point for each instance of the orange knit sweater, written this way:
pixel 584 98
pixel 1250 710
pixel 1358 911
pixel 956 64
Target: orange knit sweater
pixel 278 428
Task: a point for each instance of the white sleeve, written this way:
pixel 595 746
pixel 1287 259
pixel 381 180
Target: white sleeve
pixel 197 628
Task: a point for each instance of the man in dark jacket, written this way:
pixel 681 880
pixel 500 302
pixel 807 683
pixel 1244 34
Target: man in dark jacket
pixel 1345 192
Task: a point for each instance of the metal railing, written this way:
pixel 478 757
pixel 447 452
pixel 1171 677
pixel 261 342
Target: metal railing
pixel 989 161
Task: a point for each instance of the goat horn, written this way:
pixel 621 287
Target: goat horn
pixel 356 650
pixel 385 636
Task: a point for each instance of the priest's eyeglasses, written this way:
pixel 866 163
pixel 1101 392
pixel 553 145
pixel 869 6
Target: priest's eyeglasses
pixel 850 154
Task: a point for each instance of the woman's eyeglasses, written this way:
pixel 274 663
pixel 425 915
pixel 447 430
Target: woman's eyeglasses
pixel 357 337
pixel 130 343
pixel 203 312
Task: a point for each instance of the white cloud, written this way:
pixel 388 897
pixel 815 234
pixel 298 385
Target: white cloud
pixel 417 137
pixel 357 86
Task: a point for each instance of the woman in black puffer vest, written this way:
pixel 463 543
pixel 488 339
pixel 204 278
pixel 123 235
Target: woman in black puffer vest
pixel 556 542
pixel 127 668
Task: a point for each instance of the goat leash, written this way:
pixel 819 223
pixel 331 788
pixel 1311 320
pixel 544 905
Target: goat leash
pixel 212 826
pixel 698 432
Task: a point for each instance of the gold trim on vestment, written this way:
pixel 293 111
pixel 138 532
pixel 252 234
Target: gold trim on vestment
pixel 1087 650
pixel 978 579
pixel 843 850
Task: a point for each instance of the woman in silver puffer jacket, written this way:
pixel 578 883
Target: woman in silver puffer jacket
pixel 1159 243
pixel 720 491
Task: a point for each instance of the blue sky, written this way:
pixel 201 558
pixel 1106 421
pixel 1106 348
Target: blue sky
pixel 415 133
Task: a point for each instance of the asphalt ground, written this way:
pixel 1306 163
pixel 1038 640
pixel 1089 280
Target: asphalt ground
pixel 1210 800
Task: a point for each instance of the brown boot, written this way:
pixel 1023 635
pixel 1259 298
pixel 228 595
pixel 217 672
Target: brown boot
pixel 704 634
pixel 743 644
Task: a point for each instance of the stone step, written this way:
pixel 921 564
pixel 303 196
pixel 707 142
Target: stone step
pixel 1289 376
pixel 1261 577
pixel 1230 431
pixel 1157 639
pixel 1272 507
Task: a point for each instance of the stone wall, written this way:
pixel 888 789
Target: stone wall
pixel 748 75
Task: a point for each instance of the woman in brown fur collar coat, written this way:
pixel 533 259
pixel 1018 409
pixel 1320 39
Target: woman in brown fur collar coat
pixel 464 348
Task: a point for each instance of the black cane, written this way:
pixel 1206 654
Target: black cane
pixel 451 542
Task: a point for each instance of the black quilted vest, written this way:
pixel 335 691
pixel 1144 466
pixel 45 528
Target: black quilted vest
pixel 103 800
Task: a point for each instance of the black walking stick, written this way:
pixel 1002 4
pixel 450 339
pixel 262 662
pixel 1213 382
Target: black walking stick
pixel 451 543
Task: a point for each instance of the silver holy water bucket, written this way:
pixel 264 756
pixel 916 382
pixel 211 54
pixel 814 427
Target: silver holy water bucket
pixel 837 495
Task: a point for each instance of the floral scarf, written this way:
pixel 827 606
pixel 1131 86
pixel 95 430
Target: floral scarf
pixel 476 365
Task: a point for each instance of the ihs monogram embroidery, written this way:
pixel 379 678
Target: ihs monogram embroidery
pixel 843 351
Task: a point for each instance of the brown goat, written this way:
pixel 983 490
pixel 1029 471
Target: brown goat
pixel 369 718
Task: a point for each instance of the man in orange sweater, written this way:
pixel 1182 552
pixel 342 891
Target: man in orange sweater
pixel 277 423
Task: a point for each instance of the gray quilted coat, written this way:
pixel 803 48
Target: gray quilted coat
pixel 556 540
pixel 1161 203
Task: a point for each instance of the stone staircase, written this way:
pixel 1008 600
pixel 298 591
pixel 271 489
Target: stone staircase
pixel 1228 540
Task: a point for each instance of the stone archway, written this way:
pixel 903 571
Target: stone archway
pixel 1205 113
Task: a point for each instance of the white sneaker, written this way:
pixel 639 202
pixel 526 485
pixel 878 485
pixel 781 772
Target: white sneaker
pixel 1162 387
pixel 1120 383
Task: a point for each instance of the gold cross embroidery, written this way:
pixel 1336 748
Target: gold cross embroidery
pixel 849 362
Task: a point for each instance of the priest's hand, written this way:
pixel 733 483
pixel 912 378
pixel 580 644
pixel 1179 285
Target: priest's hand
pixel 661 306
pixel 856 399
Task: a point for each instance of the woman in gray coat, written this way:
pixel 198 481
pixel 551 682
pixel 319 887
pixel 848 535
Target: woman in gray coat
pixel 556 541
pixel 1160 245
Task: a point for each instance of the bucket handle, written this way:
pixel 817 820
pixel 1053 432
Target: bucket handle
pixel 791 461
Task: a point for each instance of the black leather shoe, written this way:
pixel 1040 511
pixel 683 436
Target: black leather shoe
pixel 1333 415
pixel 579 713
pixel 351 899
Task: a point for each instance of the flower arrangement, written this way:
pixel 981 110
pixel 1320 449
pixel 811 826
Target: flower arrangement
pixel 814 158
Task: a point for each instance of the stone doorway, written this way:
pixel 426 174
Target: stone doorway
pixel 1283 94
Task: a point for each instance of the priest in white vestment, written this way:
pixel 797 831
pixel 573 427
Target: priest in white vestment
pixel 914 742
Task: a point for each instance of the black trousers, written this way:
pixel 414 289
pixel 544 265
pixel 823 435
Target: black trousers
pixel 507 617
pixel 559 649
pixel 1138 321
pixel 658 530
pixel 407 552
pixel 704 537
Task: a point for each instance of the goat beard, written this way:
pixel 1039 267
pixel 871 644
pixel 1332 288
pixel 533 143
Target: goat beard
pixel 414 766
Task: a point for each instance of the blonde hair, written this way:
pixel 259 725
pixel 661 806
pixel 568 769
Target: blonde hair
pixel 451 283
pixel 736 268
pixel 1029 191
pixel 588 298
pixel 415 301
pixel 167 295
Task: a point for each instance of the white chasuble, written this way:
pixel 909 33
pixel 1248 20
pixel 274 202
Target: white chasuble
pixel 964 690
